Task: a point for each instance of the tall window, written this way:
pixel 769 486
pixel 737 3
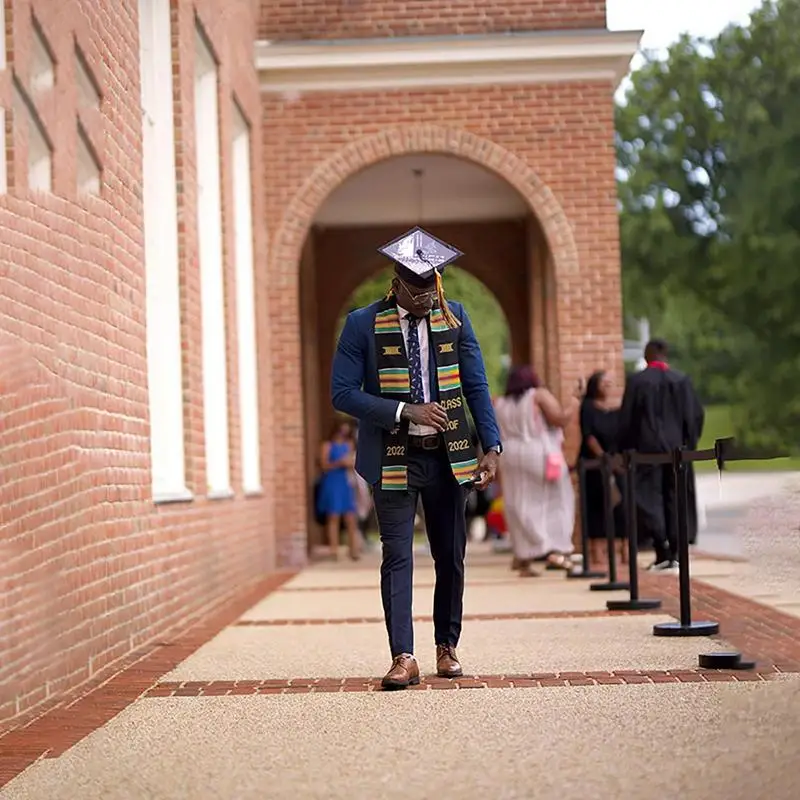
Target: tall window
pixel 3 154
pixel 245 305
pixel 40 150
pixel 164 371
pixel 212 288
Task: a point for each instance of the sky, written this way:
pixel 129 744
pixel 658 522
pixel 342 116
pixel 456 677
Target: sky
pixel 663 21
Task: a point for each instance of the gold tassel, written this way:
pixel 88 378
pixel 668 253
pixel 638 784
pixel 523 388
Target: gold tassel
pixel 447 314
pixel 390 293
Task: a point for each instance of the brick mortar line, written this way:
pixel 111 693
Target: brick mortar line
pixel 532 615
pixel 529 681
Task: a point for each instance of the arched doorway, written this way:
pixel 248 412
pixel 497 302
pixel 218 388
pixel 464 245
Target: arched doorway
pixel 457 200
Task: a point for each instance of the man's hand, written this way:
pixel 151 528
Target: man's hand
pixel 487 470
pixel 430 414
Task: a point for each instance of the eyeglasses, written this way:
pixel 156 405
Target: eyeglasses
pixel 419 297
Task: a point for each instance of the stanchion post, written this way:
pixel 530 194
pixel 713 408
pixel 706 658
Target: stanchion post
pixel 612 585
pixel 586 571
pixel 685 627
pixel 635 603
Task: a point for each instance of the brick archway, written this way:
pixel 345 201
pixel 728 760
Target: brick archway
pixel 294 365
pixel 409 139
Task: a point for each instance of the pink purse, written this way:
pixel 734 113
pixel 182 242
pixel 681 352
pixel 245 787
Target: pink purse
pixel 554 466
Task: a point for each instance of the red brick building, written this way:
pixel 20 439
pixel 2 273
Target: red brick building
pixel 191 189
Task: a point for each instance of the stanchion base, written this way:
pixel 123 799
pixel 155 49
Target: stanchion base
pixel 725 661
pixel 692 629
pixel 616 586
pixel 632 605
pixel 589 574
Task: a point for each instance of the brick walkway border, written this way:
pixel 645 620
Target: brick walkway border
pixel 272 623
pixel 762 633
pixel 372 587
pixel 539 680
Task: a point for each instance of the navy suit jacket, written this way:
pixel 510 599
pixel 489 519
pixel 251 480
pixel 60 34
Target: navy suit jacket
pixel 355 389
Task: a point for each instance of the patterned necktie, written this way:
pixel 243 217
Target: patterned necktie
pixel 415 359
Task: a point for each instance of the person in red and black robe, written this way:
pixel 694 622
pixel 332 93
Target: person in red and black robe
pixel 661 411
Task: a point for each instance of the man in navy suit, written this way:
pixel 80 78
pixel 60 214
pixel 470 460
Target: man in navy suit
pixel 404 367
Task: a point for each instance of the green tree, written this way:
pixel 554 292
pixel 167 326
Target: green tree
pixel 708 144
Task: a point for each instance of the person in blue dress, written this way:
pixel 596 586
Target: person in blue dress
pixel 337 495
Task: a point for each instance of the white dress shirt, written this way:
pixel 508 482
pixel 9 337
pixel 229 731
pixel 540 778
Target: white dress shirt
pixel 424 353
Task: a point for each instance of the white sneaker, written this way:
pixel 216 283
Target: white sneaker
pixel 669 567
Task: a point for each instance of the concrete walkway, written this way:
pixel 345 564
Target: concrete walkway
pixel 723 504
pixel 567 701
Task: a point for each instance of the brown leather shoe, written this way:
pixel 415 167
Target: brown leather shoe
pixel 404 672
pixel 447 665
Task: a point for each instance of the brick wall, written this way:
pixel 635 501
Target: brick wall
pixel 346 19
pixel 90 569
pixel 554 143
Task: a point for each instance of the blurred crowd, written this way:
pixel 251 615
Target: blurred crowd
pixel 530 511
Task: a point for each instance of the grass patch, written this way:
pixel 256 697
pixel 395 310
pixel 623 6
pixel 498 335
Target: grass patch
pixel 719 425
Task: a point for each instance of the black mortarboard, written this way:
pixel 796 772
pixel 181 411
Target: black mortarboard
pixel 420 259
pixel 418 256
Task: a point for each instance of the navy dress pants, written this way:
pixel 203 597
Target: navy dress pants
pixel 444 503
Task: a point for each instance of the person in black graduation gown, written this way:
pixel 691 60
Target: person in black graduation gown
pixel 660 411
pixel 599 433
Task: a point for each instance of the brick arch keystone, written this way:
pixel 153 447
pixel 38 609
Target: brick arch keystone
pixel 404 140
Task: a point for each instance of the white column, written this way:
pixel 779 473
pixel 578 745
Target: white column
pixel 245 306
pixel 164 369
pixel 212 285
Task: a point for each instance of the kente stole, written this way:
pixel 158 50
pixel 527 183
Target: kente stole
pixel 395 384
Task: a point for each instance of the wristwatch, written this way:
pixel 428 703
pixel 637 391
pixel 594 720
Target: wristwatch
pixel 498 448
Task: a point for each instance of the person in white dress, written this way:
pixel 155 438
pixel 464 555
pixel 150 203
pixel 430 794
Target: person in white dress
pixel 538 498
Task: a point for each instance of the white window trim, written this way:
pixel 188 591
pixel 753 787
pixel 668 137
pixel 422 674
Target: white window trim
pixel 40 151
pixel 246 306
pixel 160 205
pixel 88 93
pixel 89 172
pixel 212 279
pixel 418 62
pixel 3 37
pixel 43 68
pixel 3 155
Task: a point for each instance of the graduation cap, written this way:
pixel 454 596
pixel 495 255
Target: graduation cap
pixel 420 259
